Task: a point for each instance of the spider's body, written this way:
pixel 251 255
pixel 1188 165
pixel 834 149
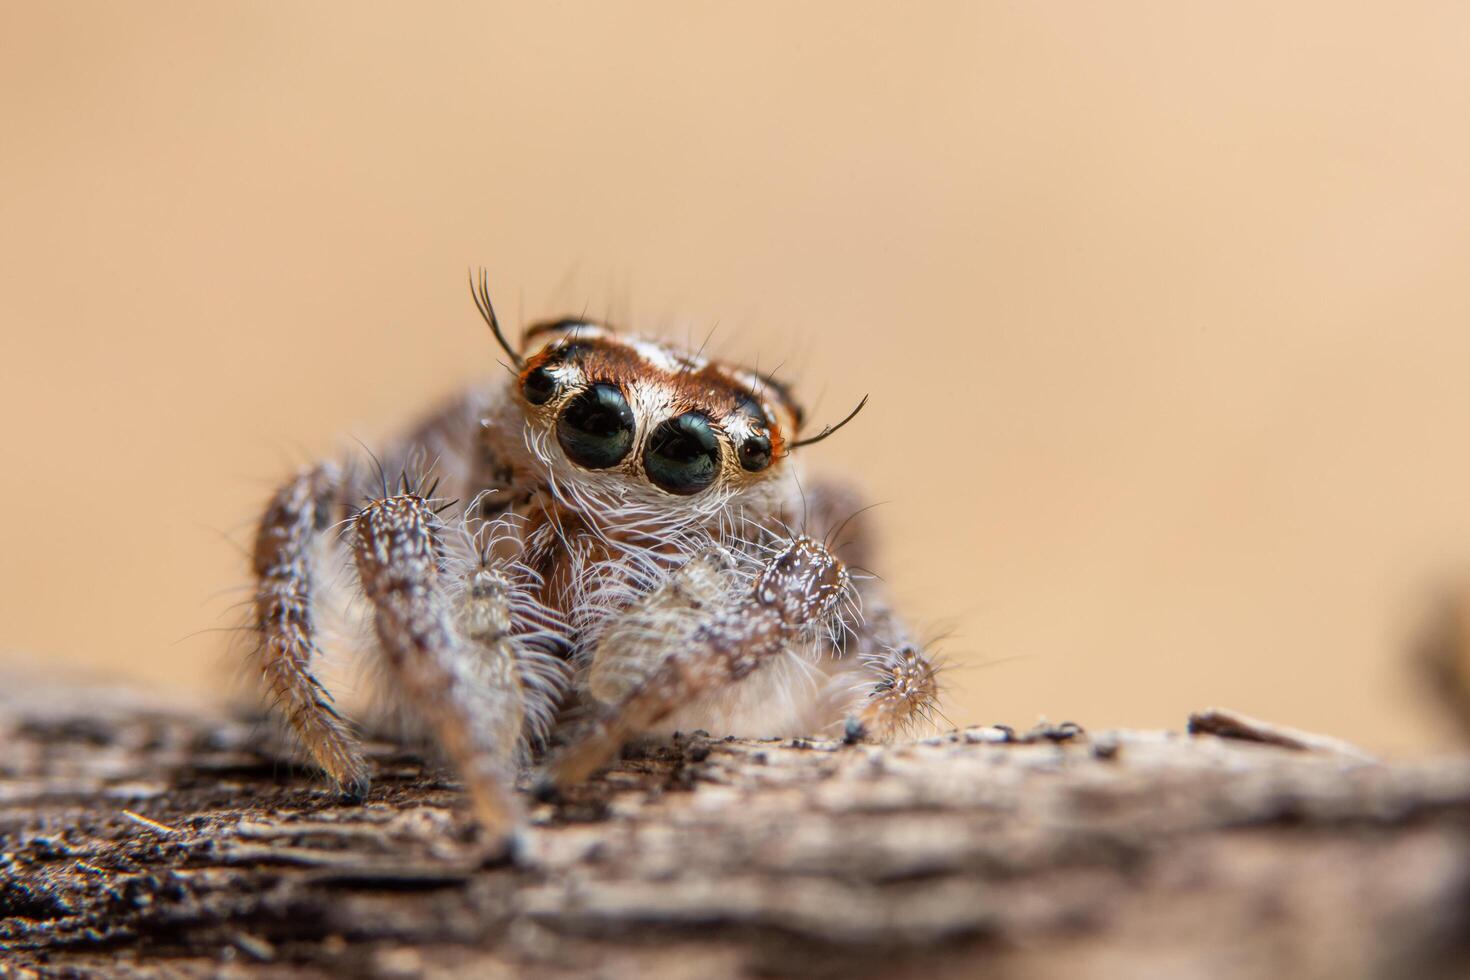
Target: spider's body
pixel 623 562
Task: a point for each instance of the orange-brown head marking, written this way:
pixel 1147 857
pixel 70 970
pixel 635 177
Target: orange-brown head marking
pixel 680 421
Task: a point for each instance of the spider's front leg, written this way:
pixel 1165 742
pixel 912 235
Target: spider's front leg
pixel 458 663
pixel 884 682
pixel 798 589
pixel 282 561
pixel 897 687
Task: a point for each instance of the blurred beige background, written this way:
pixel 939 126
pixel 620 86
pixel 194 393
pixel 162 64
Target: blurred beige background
pixel 1163 307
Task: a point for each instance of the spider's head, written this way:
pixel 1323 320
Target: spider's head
pixel 662 418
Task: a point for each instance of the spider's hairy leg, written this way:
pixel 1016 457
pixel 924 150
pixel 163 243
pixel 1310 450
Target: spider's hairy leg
pixel 283 566
pixel 901 690
pixel 890 681
pixel 799 588
pixel 484 616
pixel 885 683
pixel 397 546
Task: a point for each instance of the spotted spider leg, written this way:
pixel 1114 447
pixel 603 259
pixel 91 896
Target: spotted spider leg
pixel 283 560
pixel 471 673
pixel 883 681
pixel 798 589
pixel 895 689
pixel 883 684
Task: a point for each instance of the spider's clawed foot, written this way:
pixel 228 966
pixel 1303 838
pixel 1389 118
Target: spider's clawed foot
pixel 354 792
pixel 905 694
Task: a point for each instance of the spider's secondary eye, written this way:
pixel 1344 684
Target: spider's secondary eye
pixel 539 387
pixel 683 455
pixel 754 410
pixel 755 453
pixel 596 427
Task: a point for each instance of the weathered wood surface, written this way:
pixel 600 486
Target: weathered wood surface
pixel 152 841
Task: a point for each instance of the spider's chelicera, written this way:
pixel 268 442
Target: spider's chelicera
pixel 613 542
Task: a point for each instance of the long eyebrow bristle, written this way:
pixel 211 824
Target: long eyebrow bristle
pixel 829 430
pixel 481 293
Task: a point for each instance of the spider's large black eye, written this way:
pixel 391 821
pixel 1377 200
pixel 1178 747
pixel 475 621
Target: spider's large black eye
pixel 539 386
pixel 755 452
pixel 683 455
pixel 596 427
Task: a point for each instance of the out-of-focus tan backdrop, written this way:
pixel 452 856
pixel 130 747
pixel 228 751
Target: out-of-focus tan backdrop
pixel 1163 307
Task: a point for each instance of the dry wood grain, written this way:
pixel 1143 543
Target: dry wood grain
pixel 148 840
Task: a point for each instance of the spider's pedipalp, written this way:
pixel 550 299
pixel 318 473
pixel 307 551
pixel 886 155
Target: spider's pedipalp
pixel 731 637
pixel 518 640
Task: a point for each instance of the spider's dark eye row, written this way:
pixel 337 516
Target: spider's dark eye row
pixel 683 454
pixel 596 427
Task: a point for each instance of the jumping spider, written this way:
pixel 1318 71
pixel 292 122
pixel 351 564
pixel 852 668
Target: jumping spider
pixel 634 554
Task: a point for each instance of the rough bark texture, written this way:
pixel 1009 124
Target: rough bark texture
pixel 149 841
